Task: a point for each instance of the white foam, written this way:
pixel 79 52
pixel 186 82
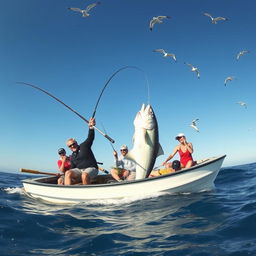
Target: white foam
pixel 14 190
pixel 125 200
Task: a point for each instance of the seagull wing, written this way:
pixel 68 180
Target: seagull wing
pixel 208 15
pixel 159 50
pixel 90 6
pixel 220 18
pixel 195 120
pixel 197 72
pixel 75 9
pixel 163 17
pixel 172 55
pixel 190 65
pixel 194 127
pixel 152 23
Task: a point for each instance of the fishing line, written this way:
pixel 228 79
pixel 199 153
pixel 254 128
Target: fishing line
pixel 49 94
pixel 109 141
pixel 112 76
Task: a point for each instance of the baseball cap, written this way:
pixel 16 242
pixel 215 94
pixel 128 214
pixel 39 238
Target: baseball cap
pixel 61 151
pixel 124 147
pixel 176 165
pixel 179 135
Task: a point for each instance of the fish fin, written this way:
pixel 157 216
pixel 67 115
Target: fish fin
pixel 130 156
pixel 160 150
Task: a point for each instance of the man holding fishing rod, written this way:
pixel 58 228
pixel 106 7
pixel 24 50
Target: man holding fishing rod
pixel 83 163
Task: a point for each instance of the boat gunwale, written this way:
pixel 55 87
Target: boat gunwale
pixel 35 181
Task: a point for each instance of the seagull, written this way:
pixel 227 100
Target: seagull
pixel 166 54
pixel 193 124
pixel 228 79
pixel 241 53
pixel 158 19
pixel 193 69
pixel 243 104
pixel 214 20
pixel 85 12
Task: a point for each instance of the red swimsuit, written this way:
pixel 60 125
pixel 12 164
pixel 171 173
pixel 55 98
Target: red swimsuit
pixel 185 157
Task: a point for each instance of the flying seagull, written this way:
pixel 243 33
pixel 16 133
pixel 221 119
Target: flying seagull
pixel 214 20
pixel 193 124
pixel 241 103
pixel 166 54
pixel 158 19
pixel 85 12
pixel 228 79
pixel 193 69
pixel 241 53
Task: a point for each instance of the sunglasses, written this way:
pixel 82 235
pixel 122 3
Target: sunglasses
pixel 73 145
pixel 123 149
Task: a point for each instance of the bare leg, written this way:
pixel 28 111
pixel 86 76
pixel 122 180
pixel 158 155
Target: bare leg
pixel 114 173
pixel 85 178
pixel 70 178
pixel 189 164
pixel 61 181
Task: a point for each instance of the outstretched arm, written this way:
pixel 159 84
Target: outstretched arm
pixel 171 155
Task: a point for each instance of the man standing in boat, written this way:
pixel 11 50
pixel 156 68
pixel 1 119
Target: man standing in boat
pixel 83 163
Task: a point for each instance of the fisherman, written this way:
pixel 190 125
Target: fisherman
pixel 125 169
pixel 83 163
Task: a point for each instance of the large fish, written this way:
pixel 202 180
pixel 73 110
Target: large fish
pixel 146 147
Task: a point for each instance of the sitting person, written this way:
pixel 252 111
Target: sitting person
pixel 64 164
pixel 174 167
pixel 83 163
pixel 185 150
pixel 125 169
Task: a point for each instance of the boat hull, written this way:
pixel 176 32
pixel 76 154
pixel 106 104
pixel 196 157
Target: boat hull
pixel 195 179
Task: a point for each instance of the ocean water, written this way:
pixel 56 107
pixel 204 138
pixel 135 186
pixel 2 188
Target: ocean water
pixel 221 222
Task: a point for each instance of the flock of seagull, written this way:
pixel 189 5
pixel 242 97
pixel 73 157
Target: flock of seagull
pixel 165 54
pixel 159 19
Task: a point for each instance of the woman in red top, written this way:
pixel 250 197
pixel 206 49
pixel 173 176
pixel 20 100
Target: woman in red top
pixel 64 164
pixel 185 150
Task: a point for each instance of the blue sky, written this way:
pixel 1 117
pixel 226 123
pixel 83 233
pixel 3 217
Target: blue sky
pixel 44 43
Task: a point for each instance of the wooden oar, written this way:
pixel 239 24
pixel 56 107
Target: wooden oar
pixel 51 173
pixel 37 172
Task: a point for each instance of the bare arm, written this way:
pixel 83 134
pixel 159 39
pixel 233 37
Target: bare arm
pixel 171 155
pixel 62 166
pixel 189 147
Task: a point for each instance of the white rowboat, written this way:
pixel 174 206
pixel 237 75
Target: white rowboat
pixel 195 179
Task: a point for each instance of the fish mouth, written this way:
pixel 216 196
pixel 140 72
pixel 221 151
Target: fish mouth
pixel 145 118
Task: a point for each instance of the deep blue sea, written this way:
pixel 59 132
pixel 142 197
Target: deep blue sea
pixel 220 222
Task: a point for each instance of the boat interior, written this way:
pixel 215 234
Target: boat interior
pixel 106 178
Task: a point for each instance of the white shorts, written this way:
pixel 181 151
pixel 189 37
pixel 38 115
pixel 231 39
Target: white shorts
pixel 131 176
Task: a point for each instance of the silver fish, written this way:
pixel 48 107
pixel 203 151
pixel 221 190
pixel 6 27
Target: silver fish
pixel 146 146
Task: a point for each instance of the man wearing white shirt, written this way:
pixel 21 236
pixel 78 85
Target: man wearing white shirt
pixel 125 169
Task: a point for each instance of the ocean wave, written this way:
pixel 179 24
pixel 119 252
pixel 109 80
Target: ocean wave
pixel 11 190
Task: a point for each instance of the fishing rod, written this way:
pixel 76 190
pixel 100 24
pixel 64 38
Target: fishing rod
pixel 109 141
pixel 49 94
pixel 111 77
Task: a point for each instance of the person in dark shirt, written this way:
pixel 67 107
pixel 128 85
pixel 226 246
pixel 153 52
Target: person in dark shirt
pixel 83 163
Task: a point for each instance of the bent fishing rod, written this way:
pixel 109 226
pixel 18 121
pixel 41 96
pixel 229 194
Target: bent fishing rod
pixel 49 94
pixel 111 77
